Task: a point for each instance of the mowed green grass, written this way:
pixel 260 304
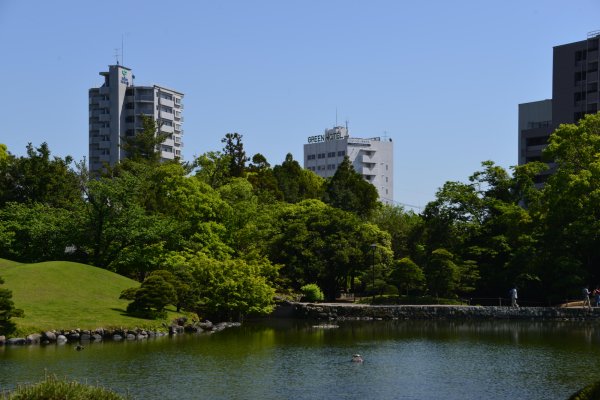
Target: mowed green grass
pixel 67 295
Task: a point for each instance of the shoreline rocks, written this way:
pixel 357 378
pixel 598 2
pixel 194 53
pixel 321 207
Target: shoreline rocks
pixel 79 336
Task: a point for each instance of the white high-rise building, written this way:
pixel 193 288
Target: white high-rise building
pixel 115 111
pixel 373 158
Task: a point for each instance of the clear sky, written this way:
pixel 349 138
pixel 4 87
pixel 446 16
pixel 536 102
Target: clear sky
pixel 441 78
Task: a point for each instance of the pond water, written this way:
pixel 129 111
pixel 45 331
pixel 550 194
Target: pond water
pixel 295 360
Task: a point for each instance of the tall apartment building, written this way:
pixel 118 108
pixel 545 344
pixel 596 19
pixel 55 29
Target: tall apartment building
pixel 575 92
pixel 372 158
pixel 116 109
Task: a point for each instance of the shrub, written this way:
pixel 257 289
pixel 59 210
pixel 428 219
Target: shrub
pixel 53 388
pixel 7 311
pixel 151 298
pixel 312 292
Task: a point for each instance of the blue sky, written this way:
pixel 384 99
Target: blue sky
pixel 443 79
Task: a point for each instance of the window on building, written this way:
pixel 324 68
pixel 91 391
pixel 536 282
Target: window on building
pixel 321 155
pixel 536 141
pixel 580 55
pixel 580 76
pixel 166 96
pixel 166 109
pixel 310 157
pixel 341 153
pixel 331 154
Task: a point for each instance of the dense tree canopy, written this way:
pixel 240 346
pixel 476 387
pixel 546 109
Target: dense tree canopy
pixel 230 234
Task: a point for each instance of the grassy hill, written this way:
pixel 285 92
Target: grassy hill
pixel 67 295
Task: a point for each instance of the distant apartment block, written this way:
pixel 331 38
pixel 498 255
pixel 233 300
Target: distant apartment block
pixel 575 92
pixel 373 158
pixel 116 109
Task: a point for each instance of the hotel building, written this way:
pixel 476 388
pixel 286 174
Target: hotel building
pixel 373 158
pixel 115 113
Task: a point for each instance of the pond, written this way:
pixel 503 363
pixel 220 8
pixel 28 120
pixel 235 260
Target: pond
pixel 283 359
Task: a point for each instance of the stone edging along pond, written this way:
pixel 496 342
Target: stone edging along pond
pixel 78 336
pixel 340 312
pixel 323 311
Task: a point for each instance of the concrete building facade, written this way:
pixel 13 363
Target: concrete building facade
pixel 115 112
pixel 373 158
pixel 575 92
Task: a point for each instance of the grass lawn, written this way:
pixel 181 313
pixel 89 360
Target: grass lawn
pixel 67 295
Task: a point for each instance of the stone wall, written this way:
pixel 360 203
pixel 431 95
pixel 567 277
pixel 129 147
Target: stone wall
pixel 332 311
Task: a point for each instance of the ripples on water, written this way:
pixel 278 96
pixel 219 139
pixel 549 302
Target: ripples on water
pixel 296 360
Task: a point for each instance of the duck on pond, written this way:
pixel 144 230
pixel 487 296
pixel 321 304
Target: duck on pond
pixel 357 358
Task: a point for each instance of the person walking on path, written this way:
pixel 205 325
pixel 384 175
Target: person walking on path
pixel 596 294
pixel 513 297
pixel 586 297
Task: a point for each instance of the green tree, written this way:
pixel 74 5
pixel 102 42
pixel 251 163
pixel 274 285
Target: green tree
pixel 403 226
pixel 144 146
pixel 348 191
pixel 7 311
pixel 295 183
pixel 442 273
pixel 261 176
pixel 4 154
pixel 317 243
pixel 38 178
pixel 569 210
pixel 118 233
pixel 37 232
pixel 233 288
pixel 152 297
pixel 407 276
pixel 234 150
pixel 212 168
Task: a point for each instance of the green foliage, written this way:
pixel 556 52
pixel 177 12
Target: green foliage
pixel 37 178
pixel 320 244
pixel 7 311
pixel 152 297
pixel 295 183
pixel 348 191
pixel 403 227
pixel 36 232
pixel 232 289
pixel 144 146
pixel 234 150
pixel 312 292
pixel 212 168
pixel 407 276
pixel 570 202
pixel 52 388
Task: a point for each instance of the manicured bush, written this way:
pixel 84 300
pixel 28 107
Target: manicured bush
pixel 52 388
pixel 312 292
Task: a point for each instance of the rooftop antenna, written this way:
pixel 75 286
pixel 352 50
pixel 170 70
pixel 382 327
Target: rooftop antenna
pixel 346 124
pixel 336 124
pixel 385 134
pixel 122 51
pixel 117 55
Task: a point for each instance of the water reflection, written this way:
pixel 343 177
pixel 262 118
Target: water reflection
pixel 294 360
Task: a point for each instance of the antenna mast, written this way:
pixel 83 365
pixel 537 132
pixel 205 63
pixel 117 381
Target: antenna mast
pixel 122 51
pixel 117 56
